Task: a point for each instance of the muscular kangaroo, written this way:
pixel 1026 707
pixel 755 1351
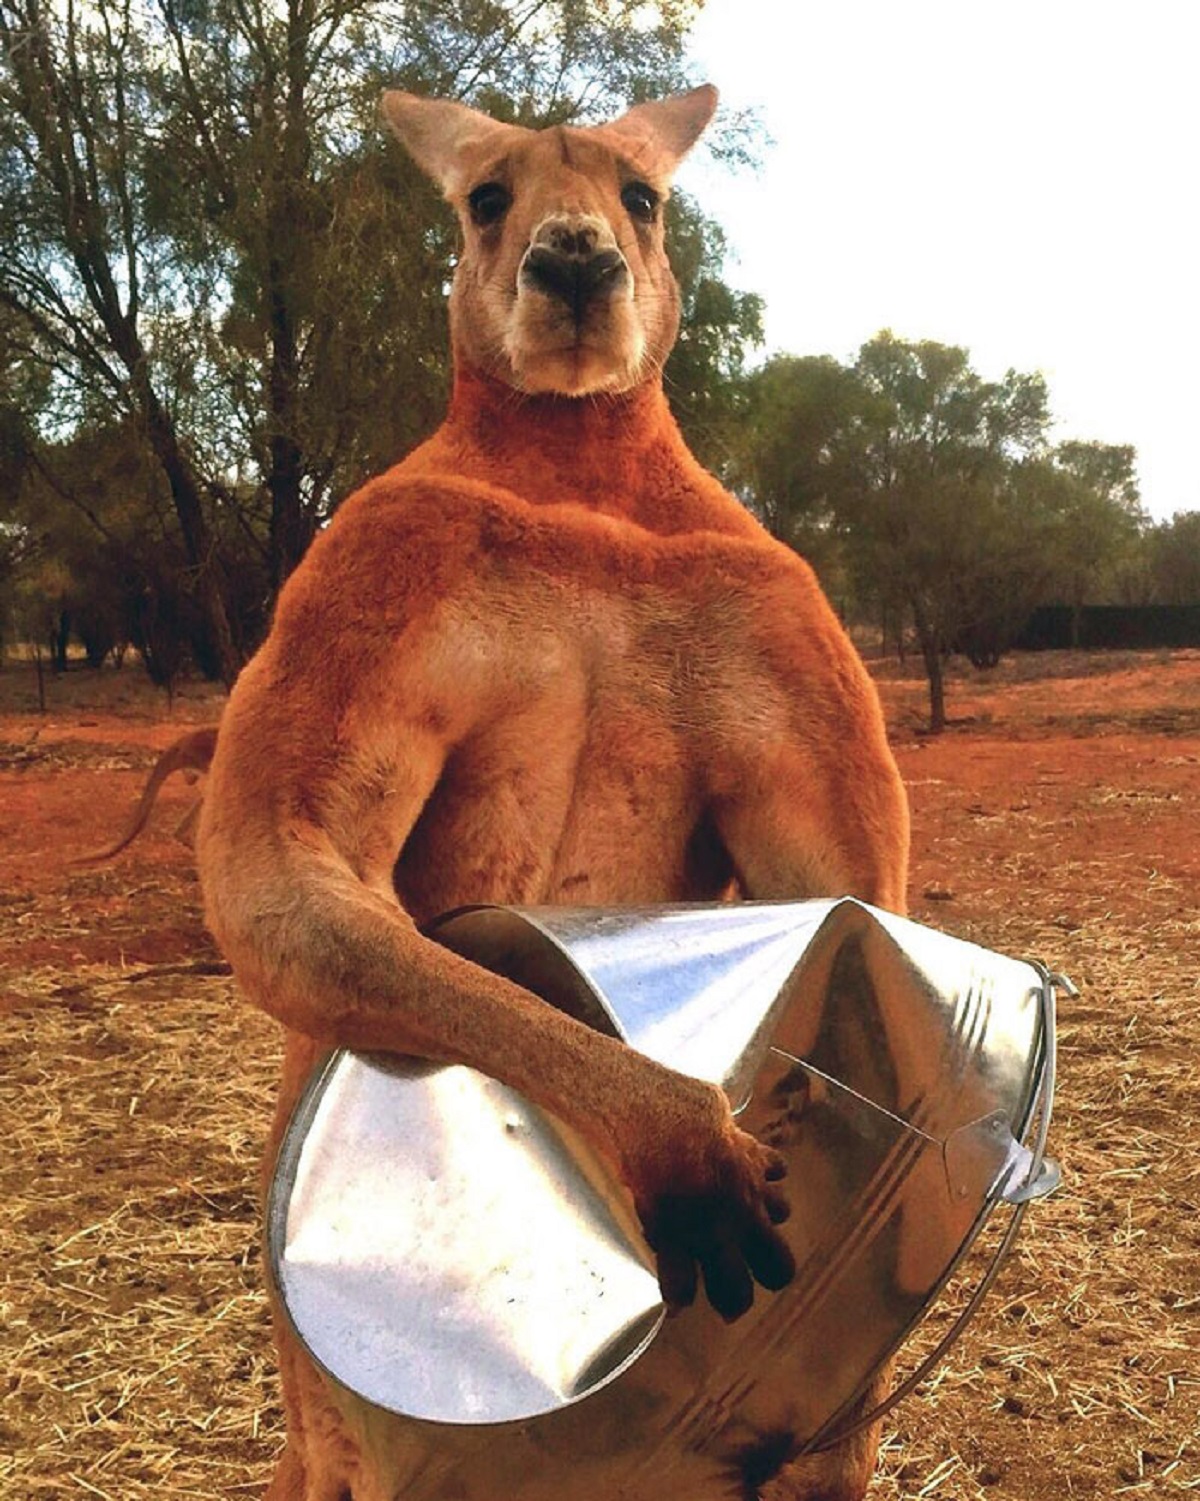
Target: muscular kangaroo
pixel 544 659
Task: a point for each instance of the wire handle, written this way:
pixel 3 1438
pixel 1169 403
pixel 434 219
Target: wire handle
pixel 1041 1176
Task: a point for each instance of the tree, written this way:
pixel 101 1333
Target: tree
pixel 799 462
pixel 206 240
pixel 932 493
pixel 937 525
pixel 23 394
pixel 79 255
pixel 703 374
pixel 1099 521
pixel 1174 559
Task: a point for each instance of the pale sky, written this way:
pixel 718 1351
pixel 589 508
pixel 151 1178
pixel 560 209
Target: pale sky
pixel 1019 178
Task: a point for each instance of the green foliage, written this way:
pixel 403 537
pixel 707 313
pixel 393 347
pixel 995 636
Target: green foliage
pixel 1173 560
pixel 208 245
pixel 1098 518
pixel 101 559
pixel 798 462
pixel 931 495
pixel 222 305
pixel 703 373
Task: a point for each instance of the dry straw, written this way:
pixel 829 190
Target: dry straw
pixel 135 1358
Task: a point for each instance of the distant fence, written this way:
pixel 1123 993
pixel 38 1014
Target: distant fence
pixel 1103 627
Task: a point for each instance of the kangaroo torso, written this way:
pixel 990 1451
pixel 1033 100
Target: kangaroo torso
pixel 547 658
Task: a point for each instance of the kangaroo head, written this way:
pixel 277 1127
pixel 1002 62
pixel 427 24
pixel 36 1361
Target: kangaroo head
pixel 562 283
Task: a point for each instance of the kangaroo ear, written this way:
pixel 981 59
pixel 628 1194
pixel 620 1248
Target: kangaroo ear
pixel 669 128
pixel 440 133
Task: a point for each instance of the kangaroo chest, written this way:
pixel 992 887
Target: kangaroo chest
pixel 588 779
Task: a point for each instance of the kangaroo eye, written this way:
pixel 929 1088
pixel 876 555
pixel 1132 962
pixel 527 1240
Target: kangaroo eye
pixel 640 201
pixel 489 202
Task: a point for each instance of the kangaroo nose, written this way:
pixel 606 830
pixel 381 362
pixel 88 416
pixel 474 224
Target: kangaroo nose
pixel 577 238
pixel 573 281
pixel 565 262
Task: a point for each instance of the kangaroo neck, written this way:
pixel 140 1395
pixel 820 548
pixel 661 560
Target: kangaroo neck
pixel 578 428
pixel 619 455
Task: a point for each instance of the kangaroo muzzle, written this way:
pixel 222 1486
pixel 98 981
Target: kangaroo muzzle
pixel 574 260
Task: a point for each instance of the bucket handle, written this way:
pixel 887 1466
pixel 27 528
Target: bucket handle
pixel 1041 1177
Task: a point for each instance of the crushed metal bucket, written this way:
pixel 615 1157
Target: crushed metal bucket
pixel 473 1282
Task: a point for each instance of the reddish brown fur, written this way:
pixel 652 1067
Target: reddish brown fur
pixel 547 658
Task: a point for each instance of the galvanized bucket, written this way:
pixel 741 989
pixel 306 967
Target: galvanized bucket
pixel 474 1285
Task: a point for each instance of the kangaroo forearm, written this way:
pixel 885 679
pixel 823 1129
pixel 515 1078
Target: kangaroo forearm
pixel 348 967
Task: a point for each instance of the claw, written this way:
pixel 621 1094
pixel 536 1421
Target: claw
pixel 776 1167
pixel 727 1282
pixel 722 1227
pixel 769 1258
pixel 778 1209
pixel 677 1277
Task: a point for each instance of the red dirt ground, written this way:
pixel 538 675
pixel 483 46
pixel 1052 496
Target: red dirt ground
pixel 1057 818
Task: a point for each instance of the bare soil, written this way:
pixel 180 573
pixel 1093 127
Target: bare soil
pixel 1057 818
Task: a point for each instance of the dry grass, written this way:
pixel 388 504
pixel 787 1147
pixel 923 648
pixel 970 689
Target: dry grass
pixel 135 1358
pixel 1082 1375
pixel 133 1331
pixel 133 1327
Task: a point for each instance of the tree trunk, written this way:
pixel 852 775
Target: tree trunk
pixel 291 528
pixel 60 640
pixel 41 676
pixel 931 653
pixel 185 493
pixel 290 531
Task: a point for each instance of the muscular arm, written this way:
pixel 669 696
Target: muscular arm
pixel 808 799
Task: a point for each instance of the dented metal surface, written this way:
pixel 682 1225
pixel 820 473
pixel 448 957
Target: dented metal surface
pixel 475 1285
